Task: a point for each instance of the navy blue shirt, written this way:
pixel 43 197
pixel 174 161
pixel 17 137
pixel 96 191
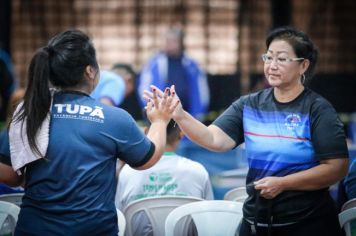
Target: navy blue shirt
pixel 72 190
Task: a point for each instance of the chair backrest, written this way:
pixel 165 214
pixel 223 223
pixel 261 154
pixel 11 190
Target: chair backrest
pixel 156 209
pixel 349 204
pixel 121 222
pixel 238 194
pixel 15 198
pixel 347 217
pixel 211 218
pixel 8 209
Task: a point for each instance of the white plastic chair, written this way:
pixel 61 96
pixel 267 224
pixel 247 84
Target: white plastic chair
pixel 211 218
pixel 347 215
pixel 349 204
pixel 237 194
pixel 157 210
pixel 15 198
pixel 8 209
pixel 121 222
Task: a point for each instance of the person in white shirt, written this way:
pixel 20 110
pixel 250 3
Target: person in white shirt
pixel 172 175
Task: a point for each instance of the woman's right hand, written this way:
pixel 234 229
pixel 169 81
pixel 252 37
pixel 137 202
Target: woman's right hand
pixel 160 106
pixel 174 105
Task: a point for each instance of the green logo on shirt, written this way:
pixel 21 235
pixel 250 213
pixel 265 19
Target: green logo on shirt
pixel 153 177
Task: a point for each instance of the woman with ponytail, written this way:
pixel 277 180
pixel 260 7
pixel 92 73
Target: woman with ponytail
pixel 63 145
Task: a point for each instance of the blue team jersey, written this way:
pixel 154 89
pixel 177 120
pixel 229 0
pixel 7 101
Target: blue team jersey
pixel 287 147
pixel 72 190
pixel 282 139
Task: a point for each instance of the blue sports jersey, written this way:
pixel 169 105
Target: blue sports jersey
pixel 287 146
pixel 72 190
pixel 282 139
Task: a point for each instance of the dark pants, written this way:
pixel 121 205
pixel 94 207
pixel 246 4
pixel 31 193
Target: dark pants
pixel 327 225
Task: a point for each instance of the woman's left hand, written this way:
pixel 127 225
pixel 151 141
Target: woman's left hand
pixel 270 186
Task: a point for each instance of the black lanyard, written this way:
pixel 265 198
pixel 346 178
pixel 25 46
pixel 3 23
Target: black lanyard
pixel 254 226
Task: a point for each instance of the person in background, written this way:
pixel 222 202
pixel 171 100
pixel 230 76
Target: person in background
pixel 128 75
pixel 111 89
pixel 15 99
pixel 115 85
pixel 131 104
pixel 294 140
pixel 347 187
pixel 172 175
pixel 7 84
pixel 173 66
pixel 65 144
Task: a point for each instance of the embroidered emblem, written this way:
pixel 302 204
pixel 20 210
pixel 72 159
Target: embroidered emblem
pixel 292 121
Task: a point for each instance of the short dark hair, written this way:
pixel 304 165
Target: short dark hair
pixel 126 67
pixel 178 34
pixel 300 42
pixel 173 130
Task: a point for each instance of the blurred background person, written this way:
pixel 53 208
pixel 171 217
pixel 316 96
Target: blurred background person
pixel 347 187
pixel 172 66
pixel 7 84
pixel 131 104
pixel 117 87
pixel 15 99
pixel 171 175
pixel 128 75
pixel 111 89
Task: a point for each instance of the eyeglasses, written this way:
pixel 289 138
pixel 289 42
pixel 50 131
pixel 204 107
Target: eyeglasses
pixel 279 60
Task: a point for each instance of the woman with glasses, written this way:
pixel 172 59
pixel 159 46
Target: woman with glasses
pixel 295 143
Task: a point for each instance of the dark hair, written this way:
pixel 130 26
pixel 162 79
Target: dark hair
pixel 301 43
pixel 173 130
pixel 62 62
pixel 178 34
pixel 125 67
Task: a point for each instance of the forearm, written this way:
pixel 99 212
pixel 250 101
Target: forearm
pixel 8 176
pixel 157 135
pixel 318 177
pixel 196 131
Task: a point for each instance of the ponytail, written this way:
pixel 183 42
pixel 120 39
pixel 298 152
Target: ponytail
pixel 62 62
pixel 37 99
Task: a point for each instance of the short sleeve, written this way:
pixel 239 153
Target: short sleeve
pixel 5 148
pixel 134 147
pixel 231 121
pixel 328 136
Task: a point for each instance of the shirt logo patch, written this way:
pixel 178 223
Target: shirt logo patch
pixel 81 112
pixel 292 121
pixel 153 177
